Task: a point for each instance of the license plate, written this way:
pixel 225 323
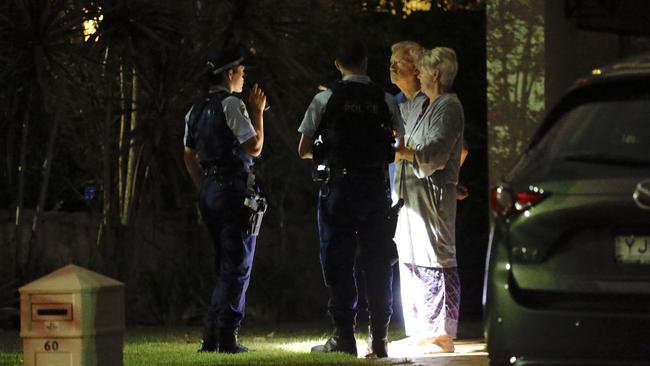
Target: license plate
pixel 632 249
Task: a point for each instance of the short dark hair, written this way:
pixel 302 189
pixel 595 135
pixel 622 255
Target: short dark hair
pixel 351 54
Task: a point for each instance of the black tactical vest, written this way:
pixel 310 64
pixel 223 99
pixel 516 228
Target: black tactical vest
pixel 215 142
pixel 356 130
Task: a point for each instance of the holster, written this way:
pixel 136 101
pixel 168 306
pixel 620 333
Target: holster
pixel 256 202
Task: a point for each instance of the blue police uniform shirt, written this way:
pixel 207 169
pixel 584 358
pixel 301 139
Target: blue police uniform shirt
pixel 237 119
pixel 316 108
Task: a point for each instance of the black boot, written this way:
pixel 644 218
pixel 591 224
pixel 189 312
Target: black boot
pixel 228 342
pixel 377 342
pixel 209 340
pixel 340 341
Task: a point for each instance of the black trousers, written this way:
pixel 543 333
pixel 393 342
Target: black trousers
pixel 221 201
pixel 355 234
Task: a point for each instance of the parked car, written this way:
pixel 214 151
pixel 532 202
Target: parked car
pixel 568 269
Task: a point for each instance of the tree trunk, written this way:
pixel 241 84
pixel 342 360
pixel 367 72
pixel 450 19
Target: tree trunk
pixel 134 181
pixel 120 143
pixel 130 172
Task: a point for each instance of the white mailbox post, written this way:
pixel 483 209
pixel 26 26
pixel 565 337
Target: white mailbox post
pixel 72 317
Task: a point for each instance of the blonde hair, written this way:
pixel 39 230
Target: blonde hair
pixel 442 59
pixel 410 48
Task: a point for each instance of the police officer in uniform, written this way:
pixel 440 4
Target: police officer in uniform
pixel 348 131
pixel 221 140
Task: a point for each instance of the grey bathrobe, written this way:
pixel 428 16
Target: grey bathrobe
pixel 425 233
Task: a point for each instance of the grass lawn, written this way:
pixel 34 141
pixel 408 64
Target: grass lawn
pixel 177 346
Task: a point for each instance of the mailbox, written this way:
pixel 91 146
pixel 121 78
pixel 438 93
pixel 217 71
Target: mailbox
pixel 72 317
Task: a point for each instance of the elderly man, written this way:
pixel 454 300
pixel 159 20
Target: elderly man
pixel 426 178
pixel 403 72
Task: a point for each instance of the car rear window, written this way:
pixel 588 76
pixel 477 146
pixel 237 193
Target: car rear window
pixel 609 130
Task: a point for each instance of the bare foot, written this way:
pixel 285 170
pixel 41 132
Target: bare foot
pixel 446 343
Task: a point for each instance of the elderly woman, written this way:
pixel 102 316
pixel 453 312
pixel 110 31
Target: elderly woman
pixel 426 176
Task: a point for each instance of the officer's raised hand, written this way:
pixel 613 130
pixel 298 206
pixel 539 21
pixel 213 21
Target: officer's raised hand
pixel 256 104
pixel 257 99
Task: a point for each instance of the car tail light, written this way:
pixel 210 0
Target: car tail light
pixel 504 201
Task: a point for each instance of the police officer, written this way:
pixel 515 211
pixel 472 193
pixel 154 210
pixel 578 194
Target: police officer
pixel 348 131
pixel 221 140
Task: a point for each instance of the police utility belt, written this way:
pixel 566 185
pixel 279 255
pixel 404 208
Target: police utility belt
pixel 254 199
pixel 322 173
